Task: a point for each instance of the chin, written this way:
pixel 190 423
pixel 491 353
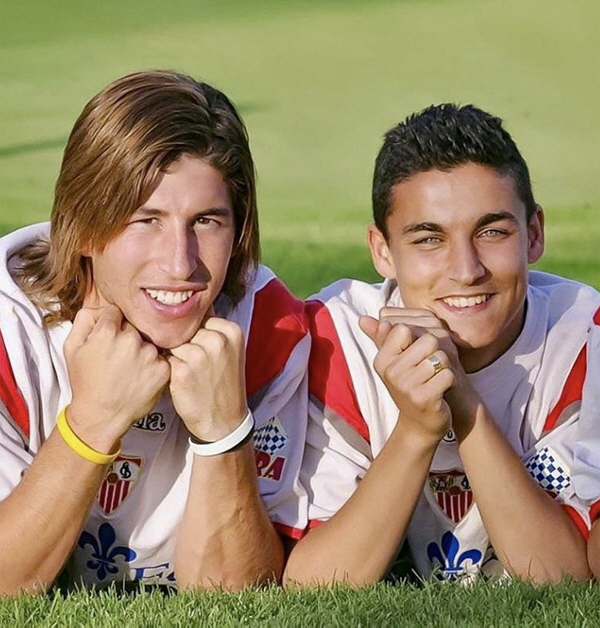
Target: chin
pixel 170 340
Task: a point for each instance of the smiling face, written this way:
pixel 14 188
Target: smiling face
pixel 167 266
pixel 459 245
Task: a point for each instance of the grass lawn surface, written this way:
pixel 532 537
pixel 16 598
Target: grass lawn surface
pixel 318 84
pixel 433 604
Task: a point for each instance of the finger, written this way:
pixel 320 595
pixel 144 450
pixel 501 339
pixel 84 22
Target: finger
pixel 376 330
pixel 423 318
pixel 108 317
pixel 83 324
pixel 389 311
pixel 187 352
pixel 127 327
pixel 398 340
pixel 229 331
pixel 434 364
pixel 369 325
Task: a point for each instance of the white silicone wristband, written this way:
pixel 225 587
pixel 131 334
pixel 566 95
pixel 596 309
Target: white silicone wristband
pixel 227 443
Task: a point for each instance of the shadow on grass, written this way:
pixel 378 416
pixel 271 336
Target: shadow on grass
pixel 32 147
pixel 307 267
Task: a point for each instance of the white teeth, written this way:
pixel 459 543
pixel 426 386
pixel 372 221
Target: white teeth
pixel 466 301
pixel 170 298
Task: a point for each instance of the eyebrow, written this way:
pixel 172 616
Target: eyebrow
pixel 434 227
pixel 488 219
pixel 209 211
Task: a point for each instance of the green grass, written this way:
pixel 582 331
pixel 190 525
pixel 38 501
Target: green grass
pixel 432 604
pixel 318 83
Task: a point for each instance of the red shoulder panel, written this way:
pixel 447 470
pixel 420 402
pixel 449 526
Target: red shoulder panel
pixel 10 393
pixel 278 324
pixel 572 390
pixel 329 379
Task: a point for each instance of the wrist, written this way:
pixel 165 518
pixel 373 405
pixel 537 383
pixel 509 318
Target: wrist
pixel 465 414
pixel 416 436
pixel 230 442
pixel 98 434
pixel 79 446
pixel 213 426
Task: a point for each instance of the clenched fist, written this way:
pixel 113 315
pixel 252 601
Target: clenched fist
pixel 414 369
pixel 207 379
pixel 116 377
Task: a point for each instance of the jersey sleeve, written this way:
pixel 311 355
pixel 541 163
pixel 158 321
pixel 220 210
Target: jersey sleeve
pixel 586 464
pixel 566 460
pixel 277 353
pixel 338 452
pixel 14 428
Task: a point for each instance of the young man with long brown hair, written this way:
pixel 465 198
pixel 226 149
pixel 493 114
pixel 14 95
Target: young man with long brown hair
pixel 152 399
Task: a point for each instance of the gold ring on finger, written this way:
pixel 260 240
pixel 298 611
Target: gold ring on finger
pixel 436 363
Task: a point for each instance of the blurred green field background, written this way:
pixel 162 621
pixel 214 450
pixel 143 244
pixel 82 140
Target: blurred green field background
pixel 318 84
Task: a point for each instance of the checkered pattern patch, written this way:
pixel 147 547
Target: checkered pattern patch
pixel 271 437
pixel 548 470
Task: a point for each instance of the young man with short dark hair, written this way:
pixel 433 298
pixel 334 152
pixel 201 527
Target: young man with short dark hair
pixel 444 401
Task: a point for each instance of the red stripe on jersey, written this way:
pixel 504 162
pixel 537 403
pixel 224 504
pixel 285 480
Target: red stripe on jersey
pixel 329 379
pixel 278 324
pixel 292 533
pixel 595 511
pixel 315 523
pixel 577 519
pixel 572 390
pixel 10 393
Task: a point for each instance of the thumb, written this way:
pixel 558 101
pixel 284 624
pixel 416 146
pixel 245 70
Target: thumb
pixel 83 324
pixel 376 330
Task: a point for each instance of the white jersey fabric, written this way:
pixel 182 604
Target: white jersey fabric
pixel 586 465
pixel 132 527
pixel 533 391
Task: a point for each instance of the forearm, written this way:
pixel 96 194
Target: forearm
pixel 41 519
pixel 226 538
pixel 358 544
pixel 531 534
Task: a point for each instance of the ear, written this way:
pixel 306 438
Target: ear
pixel 380 253
pixel 535 236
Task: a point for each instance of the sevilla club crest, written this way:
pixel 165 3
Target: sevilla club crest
pixel 452 492
pixel 118 482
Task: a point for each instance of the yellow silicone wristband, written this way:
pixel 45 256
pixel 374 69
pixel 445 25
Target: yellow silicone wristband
pixel 77 445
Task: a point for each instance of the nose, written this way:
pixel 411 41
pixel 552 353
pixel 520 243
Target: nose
pixel 179 253
pixel 465 265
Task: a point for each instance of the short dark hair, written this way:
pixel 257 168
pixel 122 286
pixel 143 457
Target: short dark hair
pixel 442 137
pixel 125 139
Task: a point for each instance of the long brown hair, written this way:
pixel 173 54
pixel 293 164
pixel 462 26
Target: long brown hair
pixel 123 141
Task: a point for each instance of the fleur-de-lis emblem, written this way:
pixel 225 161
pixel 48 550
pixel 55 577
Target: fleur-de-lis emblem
pixel 452 563
pixel 103 558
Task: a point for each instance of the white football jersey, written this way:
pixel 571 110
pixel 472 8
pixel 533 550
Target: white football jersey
pixel 586 464
pixel 534 392
pixel 131 530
